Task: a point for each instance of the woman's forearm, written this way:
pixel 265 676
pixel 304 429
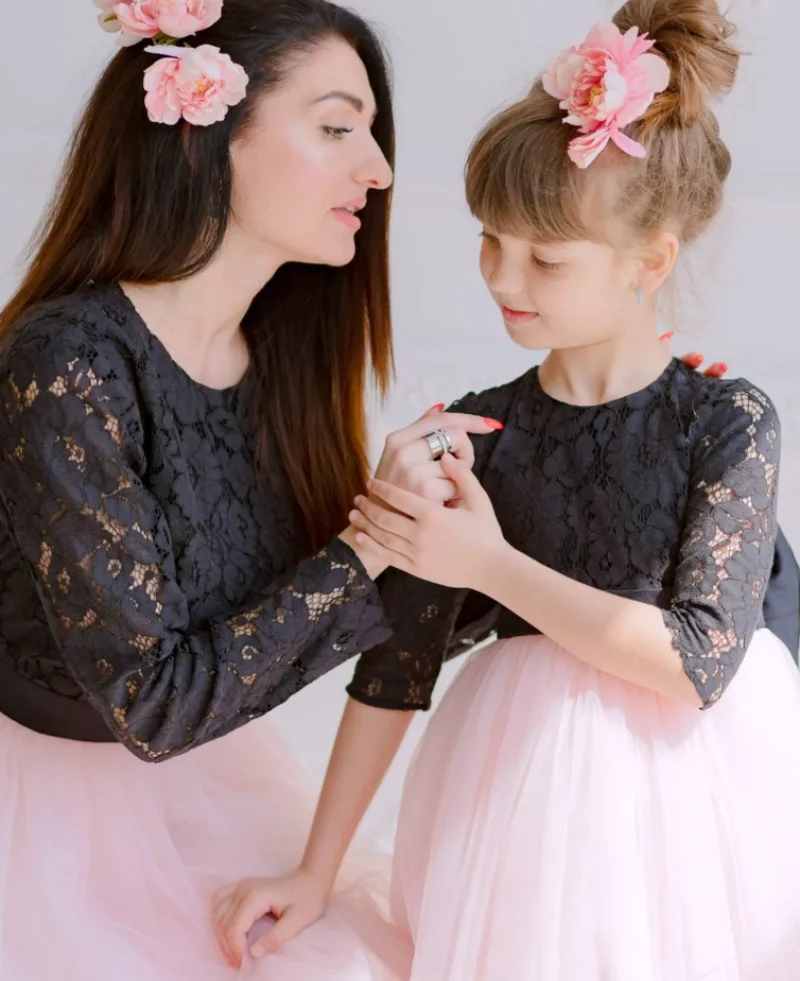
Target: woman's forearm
pixel 617 635
pixel 366 744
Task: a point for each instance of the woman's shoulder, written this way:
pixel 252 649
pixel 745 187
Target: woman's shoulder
pixel 89 328
pixel 70 359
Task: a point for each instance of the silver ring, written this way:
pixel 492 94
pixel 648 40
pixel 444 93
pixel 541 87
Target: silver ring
pixel 439 443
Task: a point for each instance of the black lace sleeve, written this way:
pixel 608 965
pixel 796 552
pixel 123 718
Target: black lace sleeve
pixel 729 537
pixel 401 673
pixel 73 458
pixel 782 602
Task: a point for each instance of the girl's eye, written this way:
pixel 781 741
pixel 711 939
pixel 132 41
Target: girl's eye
pixel 552 266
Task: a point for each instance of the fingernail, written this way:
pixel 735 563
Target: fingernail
pixel 668 337
pixel 723 367
pixel 439 407
pixel 493 424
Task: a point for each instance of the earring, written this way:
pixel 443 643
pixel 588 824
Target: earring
pixel 640 295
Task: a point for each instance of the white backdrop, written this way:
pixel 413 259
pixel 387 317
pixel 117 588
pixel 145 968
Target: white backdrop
pixel 454 64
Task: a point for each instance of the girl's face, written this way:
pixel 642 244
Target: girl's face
pixel 561 295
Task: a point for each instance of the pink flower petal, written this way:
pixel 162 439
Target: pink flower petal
pixel 614 95
pixel 584 150
pixel 606 36
pixel 656 71
pixel 627 145
pixel 181 18
pixel 561 73
pixel 138 18
pixel 632 111
pixel 642 45
pixel 126 40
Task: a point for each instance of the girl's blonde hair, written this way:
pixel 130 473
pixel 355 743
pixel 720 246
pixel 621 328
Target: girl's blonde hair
pixel 520 180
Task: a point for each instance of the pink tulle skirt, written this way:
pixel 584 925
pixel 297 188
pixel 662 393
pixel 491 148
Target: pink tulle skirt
pixel 108 864
pixel 561 825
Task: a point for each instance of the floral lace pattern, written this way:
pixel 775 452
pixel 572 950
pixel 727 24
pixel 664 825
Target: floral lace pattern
pixel 666 496
pixel 141 567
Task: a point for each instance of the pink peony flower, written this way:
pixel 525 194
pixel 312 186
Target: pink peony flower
pixel 180 18
pixel 196 84
pixel 604 85
pixel 139 19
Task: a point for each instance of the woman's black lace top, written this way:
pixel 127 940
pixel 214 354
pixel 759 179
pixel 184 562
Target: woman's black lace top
pixel 143 573
pixel 666 496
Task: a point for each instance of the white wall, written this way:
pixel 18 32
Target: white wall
pixel 454 63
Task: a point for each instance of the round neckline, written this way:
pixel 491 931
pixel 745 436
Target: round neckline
pixel 649 389
pixel 133 314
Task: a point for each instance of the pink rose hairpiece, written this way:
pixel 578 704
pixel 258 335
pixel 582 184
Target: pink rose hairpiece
pixel 603 86
pixel 195 84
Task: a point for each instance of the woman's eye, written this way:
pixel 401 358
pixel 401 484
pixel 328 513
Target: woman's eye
pixel 336 132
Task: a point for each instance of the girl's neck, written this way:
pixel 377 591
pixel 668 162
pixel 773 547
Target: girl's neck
pixel 606 371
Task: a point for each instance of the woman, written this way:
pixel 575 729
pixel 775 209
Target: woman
pixel 183 433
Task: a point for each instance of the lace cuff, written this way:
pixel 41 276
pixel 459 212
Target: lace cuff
pixel 402 673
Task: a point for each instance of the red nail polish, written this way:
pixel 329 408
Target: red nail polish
pixel 439 407
pixel 723 368
pixel 668 337
pixel 493 424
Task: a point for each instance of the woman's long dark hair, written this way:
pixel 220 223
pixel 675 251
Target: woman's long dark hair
pixel 145 203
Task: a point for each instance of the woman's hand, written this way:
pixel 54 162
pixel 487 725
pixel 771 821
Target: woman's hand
pixel 407 463
pixel 295 901
pixel 443 545
pixel 694 359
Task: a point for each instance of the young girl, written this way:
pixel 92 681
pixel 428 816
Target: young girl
pixel 610 791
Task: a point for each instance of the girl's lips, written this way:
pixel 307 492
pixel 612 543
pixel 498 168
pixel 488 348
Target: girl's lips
pixel 517 317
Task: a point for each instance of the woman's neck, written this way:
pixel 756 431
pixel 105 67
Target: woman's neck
pixel 198 319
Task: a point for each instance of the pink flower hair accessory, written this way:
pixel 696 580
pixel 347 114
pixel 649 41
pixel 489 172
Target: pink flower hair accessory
pixel 168 19
pixel 603 86
pixel 194 84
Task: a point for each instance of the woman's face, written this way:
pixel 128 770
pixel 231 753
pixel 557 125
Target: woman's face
pixel 303 169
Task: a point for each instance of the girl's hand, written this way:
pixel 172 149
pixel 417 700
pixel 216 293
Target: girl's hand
pixel 443 545
pixel 295 901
